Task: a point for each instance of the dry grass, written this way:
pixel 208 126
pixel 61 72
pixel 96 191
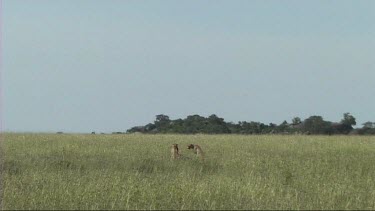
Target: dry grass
pixel 45 171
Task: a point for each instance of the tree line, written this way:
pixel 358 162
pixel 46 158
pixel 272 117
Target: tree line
pixel 213 124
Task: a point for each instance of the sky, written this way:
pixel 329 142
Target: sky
pixel 104 66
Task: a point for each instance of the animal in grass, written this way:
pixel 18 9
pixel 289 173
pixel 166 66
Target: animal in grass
pixel 174 151
pixel 197 150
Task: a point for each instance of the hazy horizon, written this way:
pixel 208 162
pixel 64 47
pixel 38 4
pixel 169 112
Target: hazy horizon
pixel 105 66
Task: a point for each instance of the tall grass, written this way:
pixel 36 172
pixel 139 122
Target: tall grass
pixel 48 171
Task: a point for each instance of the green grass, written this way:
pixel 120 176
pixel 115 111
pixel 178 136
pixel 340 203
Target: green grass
pixel 48 171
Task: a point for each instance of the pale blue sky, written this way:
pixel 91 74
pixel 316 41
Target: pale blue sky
pixel 86 65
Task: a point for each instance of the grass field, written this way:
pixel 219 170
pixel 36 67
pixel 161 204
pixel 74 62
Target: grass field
pixel 51 171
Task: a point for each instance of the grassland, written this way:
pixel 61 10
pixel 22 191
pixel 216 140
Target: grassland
pixel 51 171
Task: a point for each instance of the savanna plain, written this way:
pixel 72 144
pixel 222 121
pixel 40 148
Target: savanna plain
pixel 92 172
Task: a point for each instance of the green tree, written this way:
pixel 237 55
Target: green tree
pixel 216 125
pixel 283 127
pixel 367 129
pixel 150 128
pixel 234 128
pixel 345 125
pixel 162 118
pixel 194 124
pixel 348 119
pixel 162 123
pixel 296 121
pixel 369 125
pixel 316 125
pixel 251 127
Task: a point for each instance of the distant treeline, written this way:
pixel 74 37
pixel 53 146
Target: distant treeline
pixel 213 124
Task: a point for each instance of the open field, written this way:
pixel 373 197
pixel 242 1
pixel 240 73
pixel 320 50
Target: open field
pixel 51 171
